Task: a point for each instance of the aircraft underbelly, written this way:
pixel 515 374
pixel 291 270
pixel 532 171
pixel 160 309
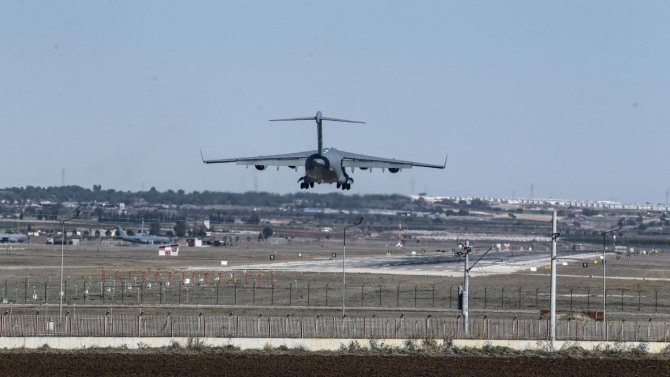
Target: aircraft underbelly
pixel 320 174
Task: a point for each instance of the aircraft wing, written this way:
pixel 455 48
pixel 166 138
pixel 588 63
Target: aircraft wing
pixel 289 159
pixel 355 160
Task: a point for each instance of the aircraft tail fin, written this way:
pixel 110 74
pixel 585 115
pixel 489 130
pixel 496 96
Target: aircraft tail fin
pixel 120 232
pixel 318 118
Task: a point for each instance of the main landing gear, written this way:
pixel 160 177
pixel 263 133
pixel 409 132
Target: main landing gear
pixel 346 185
pixel 305 184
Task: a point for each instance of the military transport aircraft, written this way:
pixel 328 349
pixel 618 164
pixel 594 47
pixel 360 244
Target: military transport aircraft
pixel 13 237
pixel 140 237
pixel 325 165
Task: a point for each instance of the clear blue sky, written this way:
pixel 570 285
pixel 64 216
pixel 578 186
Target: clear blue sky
pixel 573 97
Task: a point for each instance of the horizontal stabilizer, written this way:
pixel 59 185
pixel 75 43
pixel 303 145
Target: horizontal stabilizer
pixel 342 120
pixel 284 120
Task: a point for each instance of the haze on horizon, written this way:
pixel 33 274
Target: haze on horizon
pixel 571 96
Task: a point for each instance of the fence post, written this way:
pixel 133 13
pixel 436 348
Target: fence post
pixel 64 292
pixel 253 296
pixel 25 296
pixel 308 284
pixel 102 284
pixel 290 294
pixel 502 298
pixel 397 297
pixel 537 298
pixel 433 296
pixel 380 296
pixel 142 292
pixel 450 288
pixel 639 299
pixel 272 287
pixel 656 305
pixel 326 294
pixel 123 288
pixel 519 298
pixel 415 288
pixel 571 289
pixel 104 324
pixel 485 289
pixel 362 287
pixel 588 299
pixel 179 294
pixel 45 292
pixel 622 301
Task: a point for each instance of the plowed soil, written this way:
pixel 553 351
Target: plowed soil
pixel 46 363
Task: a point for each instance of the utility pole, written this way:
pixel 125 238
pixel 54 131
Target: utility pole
pixel 464 251
pixel 466 289
pixel 552 305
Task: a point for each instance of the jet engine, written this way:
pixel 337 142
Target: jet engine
pixel 260 167
pixel 394 170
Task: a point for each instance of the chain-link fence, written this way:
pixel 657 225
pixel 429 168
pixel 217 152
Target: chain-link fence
pixel 325 327
pixel 205 291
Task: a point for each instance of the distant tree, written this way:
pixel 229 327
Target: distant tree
pixel 30 228
pixel 576 224
pixel 267 232
pixel 201 231
pixel 622 221
pixel 155 228
pixel 180 228
pixel 108 233
pixel 589 212
pixel 248 239
pixel 511 215
pixel 519 210
pixel 463 212
pixel 237 239
pixel 169 233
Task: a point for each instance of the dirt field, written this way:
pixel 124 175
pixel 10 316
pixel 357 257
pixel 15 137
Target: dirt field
pixel 47 363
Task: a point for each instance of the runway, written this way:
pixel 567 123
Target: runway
pixel 438 264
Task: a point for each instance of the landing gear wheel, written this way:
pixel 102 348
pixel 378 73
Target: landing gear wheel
pixel 311 184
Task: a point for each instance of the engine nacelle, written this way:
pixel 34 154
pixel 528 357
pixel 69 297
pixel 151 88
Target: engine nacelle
pixel 260 167
pixel 363 168
pixel 394 170
pixel 291 167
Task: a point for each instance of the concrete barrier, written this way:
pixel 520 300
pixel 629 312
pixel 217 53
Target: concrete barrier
pixel 310 344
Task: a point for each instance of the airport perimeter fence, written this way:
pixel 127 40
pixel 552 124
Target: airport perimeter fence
pixel 324 327
pixel 204 292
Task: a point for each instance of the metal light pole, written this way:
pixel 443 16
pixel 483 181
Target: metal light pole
pixel 344 259
pixel 62 259
pixel 605 233
pixel 552 298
